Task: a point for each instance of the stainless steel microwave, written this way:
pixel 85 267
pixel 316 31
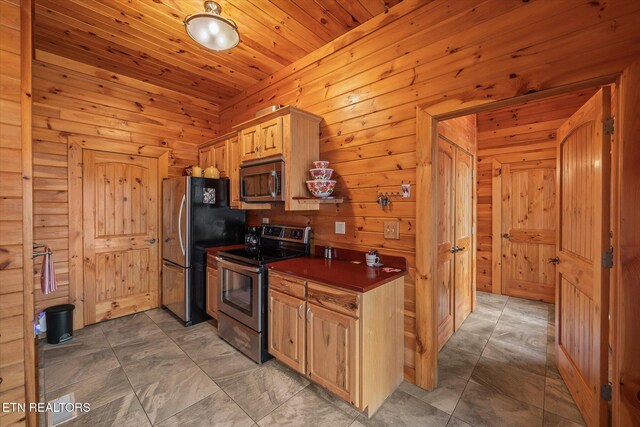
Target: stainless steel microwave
pixel 262 182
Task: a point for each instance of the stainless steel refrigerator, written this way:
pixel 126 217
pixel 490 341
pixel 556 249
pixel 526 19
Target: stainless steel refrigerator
pixel 195 215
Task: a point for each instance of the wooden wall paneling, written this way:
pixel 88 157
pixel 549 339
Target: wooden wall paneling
pixel 17 340
pixel 78 106
pixel 626 241
pixel 496 228
pixel 475 55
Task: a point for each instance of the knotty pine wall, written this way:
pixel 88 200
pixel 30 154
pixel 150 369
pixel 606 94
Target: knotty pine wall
pixel 17 344
pixel 73 100
pixel 367 84
pixel 516 133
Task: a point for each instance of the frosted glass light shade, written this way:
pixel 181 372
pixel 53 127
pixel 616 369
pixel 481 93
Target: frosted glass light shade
pixel 212 30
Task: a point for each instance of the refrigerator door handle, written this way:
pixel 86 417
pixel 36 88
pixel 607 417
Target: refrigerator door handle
pixel 180 224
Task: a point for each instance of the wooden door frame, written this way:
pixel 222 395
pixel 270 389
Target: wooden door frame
pixel 427 118
pixel 76 144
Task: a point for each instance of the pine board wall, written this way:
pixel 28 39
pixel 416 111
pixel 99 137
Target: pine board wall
pixel 17 344
pixel 73 100
pixel 367 84
pixel 516 133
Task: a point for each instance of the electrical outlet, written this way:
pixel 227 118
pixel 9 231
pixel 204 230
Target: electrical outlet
pixel 340 227
pixel 391 230
pixel 265 220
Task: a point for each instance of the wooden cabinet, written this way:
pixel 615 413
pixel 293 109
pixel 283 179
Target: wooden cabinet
pixel 216 154
pixel 212 292
pixel 261 140
pixel 287 335
pixel 348 342
pixel 332 349
pixel 293 135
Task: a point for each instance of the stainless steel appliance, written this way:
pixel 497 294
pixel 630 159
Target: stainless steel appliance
pixel 242 307
pixel 195 215
pixel 262 182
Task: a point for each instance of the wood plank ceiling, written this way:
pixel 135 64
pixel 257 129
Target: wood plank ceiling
pixel 145 39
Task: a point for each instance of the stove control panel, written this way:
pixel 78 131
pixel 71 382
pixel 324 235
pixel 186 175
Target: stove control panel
pixel 285 233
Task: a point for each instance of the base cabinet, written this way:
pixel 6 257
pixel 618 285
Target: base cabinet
pixel 332 349
pixel 350 343
pixel 212 292
pixel 288 335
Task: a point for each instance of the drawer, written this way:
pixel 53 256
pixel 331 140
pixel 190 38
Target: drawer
pixel 291 285
pixel 334 299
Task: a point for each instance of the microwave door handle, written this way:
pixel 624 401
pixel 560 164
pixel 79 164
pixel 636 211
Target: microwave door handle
pixel 273 184
pixel 275 178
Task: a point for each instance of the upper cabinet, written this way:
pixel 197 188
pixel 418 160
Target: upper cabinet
pixel 216 153
pixel 292 135
pixel 262 140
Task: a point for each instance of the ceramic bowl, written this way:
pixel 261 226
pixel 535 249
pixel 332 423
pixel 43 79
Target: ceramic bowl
pixel 321 188
pixel 321 164
pixel 321 173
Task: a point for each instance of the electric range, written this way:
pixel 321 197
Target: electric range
pixel 242 304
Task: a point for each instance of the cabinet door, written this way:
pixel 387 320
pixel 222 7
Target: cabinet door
pixel 249 143
pixel 212 292
pixel 220 158
pixel 270 143
pixel 287 330
pixel 332 351
pixel 204 158
pixel 234 172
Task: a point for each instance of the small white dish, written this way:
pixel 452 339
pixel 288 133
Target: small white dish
pixel 377 264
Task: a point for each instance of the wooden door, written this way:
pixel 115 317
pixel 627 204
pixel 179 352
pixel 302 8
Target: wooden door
pixel 287 334
pixel 463 222
pixel 444 268
pixel 213 288
pixel 249 143
pixel 529 229
pixel 271 137
pixel 332 351
pixel 120 224
pixel 582 304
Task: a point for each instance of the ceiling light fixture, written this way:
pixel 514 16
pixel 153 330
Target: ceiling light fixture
pixel 212 30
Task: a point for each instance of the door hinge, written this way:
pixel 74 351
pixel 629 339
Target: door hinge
pixel 605 392
pixel 607 258
pixel 608 126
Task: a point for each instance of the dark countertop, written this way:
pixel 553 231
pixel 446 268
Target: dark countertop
pixel 335 272
pixel 213 252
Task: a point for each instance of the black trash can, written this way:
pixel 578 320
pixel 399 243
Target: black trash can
pixel 59 323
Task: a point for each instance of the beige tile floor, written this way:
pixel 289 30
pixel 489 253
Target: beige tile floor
pixel 146 369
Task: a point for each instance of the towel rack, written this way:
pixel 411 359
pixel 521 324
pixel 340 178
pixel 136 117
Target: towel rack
pixel 42 253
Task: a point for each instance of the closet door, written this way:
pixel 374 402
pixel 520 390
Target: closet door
pixel 444 236
pixel 463 220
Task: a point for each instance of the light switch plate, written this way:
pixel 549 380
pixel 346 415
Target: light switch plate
pixel 340 227
pixel 392 230
pixel 265 220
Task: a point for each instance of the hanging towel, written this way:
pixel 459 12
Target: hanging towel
pixel 48 282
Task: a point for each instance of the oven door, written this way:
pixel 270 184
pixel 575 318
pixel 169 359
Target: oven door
pixel 263 182
pixel 241 292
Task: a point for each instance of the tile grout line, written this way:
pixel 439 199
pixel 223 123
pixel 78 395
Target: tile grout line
pixel 475 365
pixel 127 376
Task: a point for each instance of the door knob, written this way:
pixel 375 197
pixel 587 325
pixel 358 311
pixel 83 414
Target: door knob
pixel 554 261
pixel 453 250
pixel 152 241
pixel 506 235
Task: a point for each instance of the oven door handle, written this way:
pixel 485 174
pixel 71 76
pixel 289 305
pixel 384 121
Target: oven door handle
pixel 237 266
